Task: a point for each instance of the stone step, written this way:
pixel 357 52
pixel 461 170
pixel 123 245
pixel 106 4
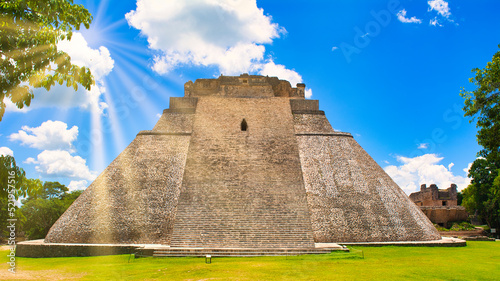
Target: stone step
pixel 233 252
pixel 243 189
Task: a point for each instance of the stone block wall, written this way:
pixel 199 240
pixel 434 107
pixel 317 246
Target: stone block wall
pixel 243 188
pixel 350 197
pixel 444 215
pixel 304 105
pixel 178 119
pixel 134 200
pixel 245 85
pixel 433 196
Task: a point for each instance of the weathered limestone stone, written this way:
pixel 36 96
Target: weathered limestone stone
pixel 242 162
pixel 133 200
pixel 439 205
pixel 243 187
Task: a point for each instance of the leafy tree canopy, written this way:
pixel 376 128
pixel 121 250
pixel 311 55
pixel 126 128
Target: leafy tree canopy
pixel 29 58
pixel 483 194
pixel 484 103
pixel 40 211
pixel 43 203
pixel 48 190
pixel 12 177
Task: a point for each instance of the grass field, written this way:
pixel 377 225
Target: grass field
pixel 477 261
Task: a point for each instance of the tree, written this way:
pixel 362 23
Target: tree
pixel 460 196
pixel 48 190
pixel 8 171
pixel 29 58
pixel 40 212
pixel 12 186
pixel 483 194
pixel 44 202
pixel 484 103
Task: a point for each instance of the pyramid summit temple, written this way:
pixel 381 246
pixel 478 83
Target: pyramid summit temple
pixel 242 162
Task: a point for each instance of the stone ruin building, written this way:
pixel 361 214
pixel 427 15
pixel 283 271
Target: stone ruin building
pixel 433 196
pixel 439 205
pixel 242 162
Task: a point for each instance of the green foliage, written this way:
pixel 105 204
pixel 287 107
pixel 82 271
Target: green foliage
pixel 44 203
pixel 471 198
pixel 440 228
pixel 8 168
pixel 462 226
pixel 483 194
pixel 457 226
pixel 460 197
pixel 34 186
pixel 41 210
pixel 29 58
pixel 12 186
pixel 484 103
pixel 48 190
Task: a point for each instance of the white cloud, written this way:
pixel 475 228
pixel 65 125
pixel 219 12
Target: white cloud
pixel 271 69
pixel 423 146
pixel 49 135
pixel 435 22
pixel 334 48
pixel 440 6
pixel 98 61
pixel 11 107
pixel 30 160
pixel 308 93
pixel 424 169
pixel 55 161
pixel 466 170
pixel 278 70
pixel 402 18
pixel 59 163
pixel 77 185
pixel 227 33
pixel 6 151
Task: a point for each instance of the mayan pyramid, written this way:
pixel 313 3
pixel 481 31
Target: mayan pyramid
pixel 242 162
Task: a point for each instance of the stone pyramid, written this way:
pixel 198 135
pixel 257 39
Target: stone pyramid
pixel 242 162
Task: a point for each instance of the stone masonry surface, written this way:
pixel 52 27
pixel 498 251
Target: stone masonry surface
pixel 242 162
pixel 133 200
pixel 243 188
pixel 439 205
pixel 352 199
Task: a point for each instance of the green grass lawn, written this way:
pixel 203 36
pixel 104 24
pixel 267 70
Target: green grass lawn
pixel 477 261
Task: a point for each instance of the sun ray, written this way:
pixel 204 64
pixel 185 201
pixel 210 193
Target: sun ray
pixel 127 49
pixel 114 25
pixel 118 137
pixel 101 10
pixel 139 96
pixel 96 141
pixel 128 58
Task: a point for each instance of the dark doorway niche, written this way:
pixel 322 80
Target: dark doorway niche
pixel 244 125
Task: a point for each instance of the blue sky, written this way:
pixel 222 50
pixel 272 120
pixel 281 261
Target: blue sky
pixel 389 72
